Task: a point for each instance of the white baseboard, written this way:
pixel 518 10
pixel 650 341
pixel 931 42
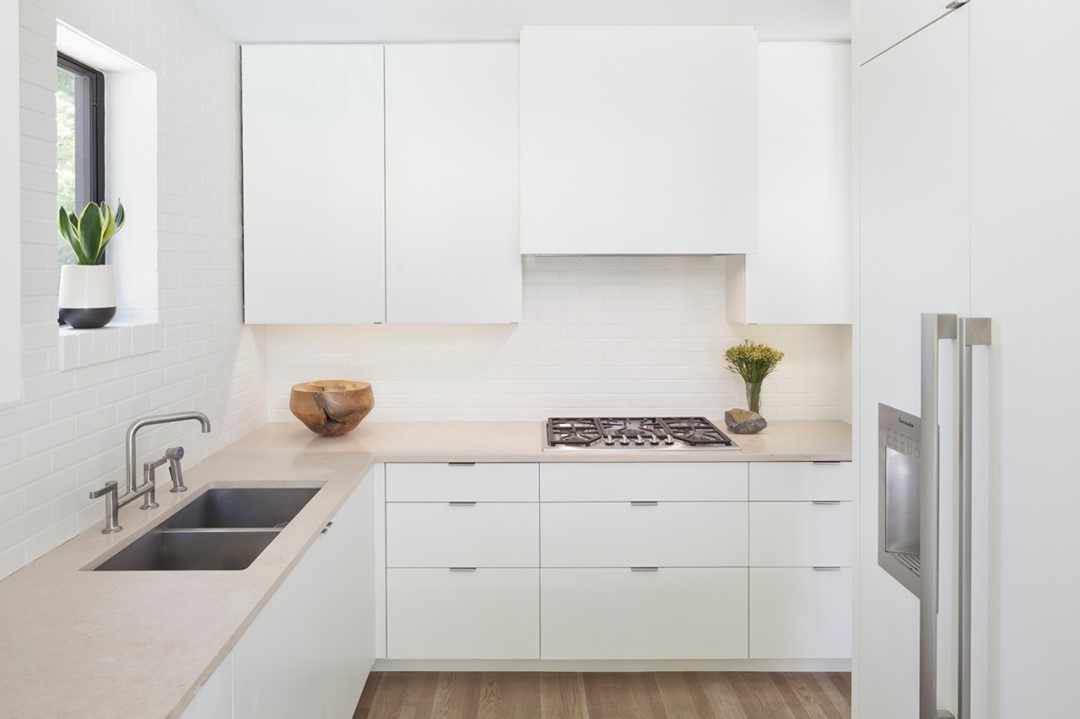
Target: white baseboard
pixel 554 665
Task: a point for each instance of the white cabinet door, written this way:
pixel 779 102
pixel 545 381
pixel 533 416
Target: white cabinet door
pixel 313 184
pixel 643 481
pixel 215 697
pixel 880 24
pixel 800 613
pixel 485 482
pixel 638 140
pixel 420 534
pixel 348 600
pixel 279 669
pixel 449 614
pixel 801 272
pixel 801 481
pixel 627 534
pixel 452 223
pixel 625 614
pixel 800 534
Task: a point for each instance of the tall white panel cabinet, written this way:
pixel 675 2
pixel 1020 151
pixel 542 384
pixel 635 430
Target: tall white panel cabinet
pixel 880 24
pixel 801 272
pixel 638 140
pixel 313 184
pixel 452 252
pixel 10 246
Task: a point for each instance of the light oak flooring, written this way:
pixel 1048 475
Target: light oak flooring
pixel 659 695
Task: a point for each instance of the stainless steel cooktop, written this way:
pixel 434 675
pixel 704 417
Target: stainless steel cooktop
pixel 656 433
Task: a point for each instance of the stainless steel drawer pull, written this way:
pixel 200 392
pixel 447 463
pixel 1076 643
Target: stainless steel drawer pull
pixel 644 569
pixel 462 464
pixel 327 527
pixel 462 569
pixel 826 461
pixel 826 501
pixel 644 504
pixel 826 569
pixel 462 504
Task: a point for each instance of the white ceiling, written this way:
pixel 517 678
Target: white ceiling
pixel 251 21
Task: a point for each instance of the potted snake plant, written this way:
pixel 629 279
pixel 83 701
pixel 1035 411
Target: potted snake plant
pixel 88 289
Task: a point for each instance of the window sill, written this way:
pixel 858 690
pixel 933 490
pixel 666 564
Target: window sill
pixel 82 348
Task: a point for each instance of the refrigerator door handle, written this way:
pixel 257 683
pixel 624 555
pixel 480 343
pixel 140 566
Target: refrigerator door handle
pixel 935 327
pixel 971 331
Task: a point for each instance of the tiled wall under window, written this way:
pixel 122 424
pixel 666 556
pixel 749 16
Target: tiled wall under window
pixel 600 335
pixel 67 433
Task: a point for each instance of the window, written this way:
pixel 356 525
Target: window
pixel 80 141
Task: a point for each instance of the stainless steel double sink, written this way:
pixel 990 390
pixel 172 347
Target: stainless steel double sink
pixel 222 529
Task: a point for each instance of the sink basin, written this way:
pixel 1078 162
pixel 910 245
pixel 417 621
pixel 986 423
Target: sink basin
pixel 169 550
pixel 249 507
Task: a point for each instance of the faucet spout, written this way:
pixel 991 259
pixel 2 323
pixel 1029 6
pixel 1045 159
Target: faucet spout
pixel 133 431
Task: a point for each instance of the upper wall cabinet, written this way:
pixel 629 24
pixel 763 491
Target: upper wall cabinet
pixel 801 273
pixel 452 227
pixel 883 23
pixel 638 140
pixel 313 184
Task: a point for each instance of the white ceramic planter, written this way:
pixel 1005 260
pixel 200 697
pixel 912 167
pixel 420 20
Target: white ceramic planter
pixel 87 296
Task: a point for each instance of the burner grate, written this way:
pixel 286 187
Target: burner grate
pixel 640 432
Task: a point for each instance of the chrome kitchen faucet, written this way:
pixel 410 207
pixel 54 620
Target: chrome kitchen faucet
pixel 146 490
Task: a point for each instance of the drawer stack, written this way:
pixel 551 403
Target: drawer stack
pixel 801 538
pixel 462 557
pixel 644 561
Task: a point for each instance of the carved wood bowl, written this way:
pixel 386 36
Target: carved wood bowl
pixel 331 407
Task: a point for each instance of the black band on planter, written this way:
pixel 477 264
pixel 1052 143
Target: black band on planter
pixel 86 318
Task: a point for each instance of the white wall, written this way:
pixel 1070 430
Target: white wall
pixel 10 388
pixel 600 335
pixel 67 434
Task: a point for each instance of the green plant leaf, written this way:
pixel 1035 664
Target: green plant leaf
pixel 110 225
pixel 69 234
pixel 121 218
pixel 74 219
pixel 91 229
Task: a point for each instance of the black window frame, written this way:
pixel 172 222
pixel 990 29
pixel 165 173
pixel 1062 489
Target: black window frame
pixel 90 116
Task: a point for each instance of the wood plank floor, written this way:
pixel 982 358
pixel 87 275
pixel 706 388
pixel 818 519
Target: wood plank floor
pixel 659 695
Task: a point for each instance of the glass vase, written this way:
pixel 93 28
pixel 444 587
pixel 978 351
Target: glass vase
pixel 753 396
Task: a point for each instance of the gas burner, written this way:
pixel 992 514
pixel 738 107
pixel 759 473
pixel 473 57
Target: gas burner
pixel 635 433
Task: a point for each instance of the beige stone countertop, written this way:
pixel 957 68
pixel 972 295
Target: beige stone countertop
pixel 782 441
pixel 85 644
pixel 78 643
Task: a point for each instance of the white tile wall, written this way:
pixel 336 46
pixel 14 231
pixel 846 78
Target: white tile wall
pixel 600 335
pixel 66 435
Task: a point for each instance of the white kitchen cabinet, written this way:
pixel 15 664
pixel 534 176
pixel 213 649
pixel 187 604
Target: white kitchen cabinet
pixel 661 534
pixel 445 534
pixel 626 614
pixel 215 697
pixel 463 613
pixel 462 482
pixel 800 534
pixel 643 481
pixel 309 651
pixel 880 24
pixel 801 271
pixel 452 222
pixel 314 241
pixel 801 481
pixel 638 140
pixel 800 613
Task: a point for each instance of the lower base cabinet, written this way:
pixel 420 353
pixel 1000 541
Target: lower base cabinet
pixel 800 613
pixel 664 613
pixel 309 651
pixel 473 613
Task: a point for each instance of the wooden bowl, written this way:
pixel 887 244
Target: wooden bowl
pixel 331 407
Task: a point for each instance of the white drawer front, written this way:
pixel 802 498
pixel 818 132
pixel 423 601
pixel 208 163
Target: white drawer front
pixel 798 481
pixel 462 482
pixel 481 614
pixel 800 534
pixel 800 614
pixel 658 481
pixel 623 614
pixel 665 534
pixel 476 535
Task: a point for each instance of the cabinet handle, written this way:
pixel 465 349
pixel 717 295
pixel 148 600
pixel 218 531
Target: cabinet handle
pixel 648 503
pixel 956 3
pixel 826 569
pixel 462 504
pixel 462 464
pixel 826 461
pixel 462 569
pixel 644 569
pixel 826 501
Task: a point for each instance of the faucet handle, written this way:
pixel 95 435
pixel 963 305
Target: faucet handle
pixel 110 487
pixel 174 455
pixel 112 507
